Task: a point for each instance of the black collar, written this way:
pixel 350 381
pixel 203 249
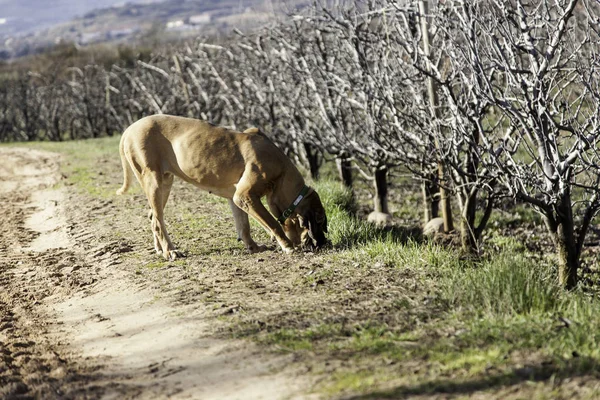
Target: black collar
pixel 288 211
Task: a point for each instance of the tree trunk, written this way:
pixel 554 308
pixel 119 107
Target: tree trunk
pixel 467 224
pixel 184 88
pixel 425 197
pixel 430 192
pixel 313 159
pixel 559 221
pixel 105 113
pixel 344 170
pixel 433 105
pixel 568 259
pixel 381 193
pixel 445 201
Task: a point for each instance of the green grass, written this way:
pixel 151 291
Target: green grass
pixel 397 317
pixel 301 340
pixel 345 229
pixel 335 197
pixel 508 283
pixel 488 313
pixel 83 162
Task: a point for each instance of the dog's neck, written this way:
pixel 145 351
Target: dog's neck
pixel 290 186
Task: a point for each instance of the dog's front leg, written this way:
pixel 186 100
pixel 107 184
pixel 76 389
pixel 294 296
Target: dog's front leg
pixel 242 227
pixel 154 185
pixel 157 247
pixel 251 204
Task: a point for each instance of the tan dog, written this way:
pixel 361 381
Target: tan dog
pixel 240 166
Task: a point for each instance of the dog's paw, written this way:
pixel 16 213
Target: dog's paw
pixel 259 248
pixel 288 250
pixel 174 255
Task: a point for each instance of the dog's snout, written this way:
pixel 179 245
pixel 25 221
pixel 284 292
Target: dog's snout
pixel 311 243
pixel 321 243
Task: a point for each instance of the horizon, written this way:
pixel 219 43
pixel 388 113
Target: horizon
pixel 27 17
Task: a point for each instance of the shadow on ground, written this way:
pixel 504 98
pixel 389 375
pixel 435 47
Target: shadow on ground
pixel 580 367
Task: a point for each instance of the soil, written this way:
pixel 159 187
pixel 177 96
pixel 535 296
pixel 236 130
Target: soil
pixel 78 321
pixel 89 311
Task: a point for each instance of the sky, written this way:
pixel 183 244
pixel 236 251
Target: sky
pixel 28 15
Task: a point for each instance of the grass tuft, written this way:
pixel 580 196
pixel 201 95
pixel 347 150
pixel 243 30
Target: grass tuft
pixel 508 283
pixel 346 230
pixel 336 197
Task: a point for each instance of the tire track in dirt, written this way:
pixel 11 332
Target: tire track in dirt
pixel 31 365
pixel 76 323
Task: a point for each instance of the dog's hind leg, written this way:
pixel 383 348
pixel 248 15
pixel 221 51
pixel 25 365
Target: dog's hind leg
pixel 167 183
pixel 242 227
pixel 157 188
pixel 239 223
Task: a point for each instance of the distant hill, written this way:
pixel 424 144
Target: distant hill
pixel 19 17
pixel 34 25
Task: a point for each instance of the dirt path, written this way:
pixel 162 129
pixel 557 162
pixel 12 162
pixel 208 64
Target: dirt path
pixel 75 322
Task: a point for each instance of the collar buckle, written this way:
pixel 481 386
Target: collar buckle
pixel 290 210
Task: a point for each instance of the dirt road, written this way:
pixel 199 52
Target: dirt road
pixel 76 322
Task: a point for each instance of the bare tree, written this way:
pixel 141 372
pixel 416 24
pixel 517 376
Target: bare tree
pixel 407 128
pixel 432 94
pixel 536 63
pixel 516 83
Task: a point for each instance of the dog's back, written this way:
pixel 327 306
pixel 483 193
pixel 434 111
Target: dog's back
pixel 208 156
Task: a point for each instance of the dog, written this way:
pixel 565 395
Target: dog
pixel 242 167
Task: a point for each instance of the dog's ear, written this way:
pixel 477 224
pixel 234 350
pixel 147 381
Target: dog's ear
pixel 307 221
pixel 312 228
pixel 319 216
pixel 304 221
pixel 313 219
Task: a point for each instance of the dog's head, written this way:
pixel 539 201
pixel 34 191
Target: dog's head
pixel 312 221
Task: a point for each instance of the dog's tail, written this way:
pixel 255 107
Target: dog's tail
pixel 126 168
